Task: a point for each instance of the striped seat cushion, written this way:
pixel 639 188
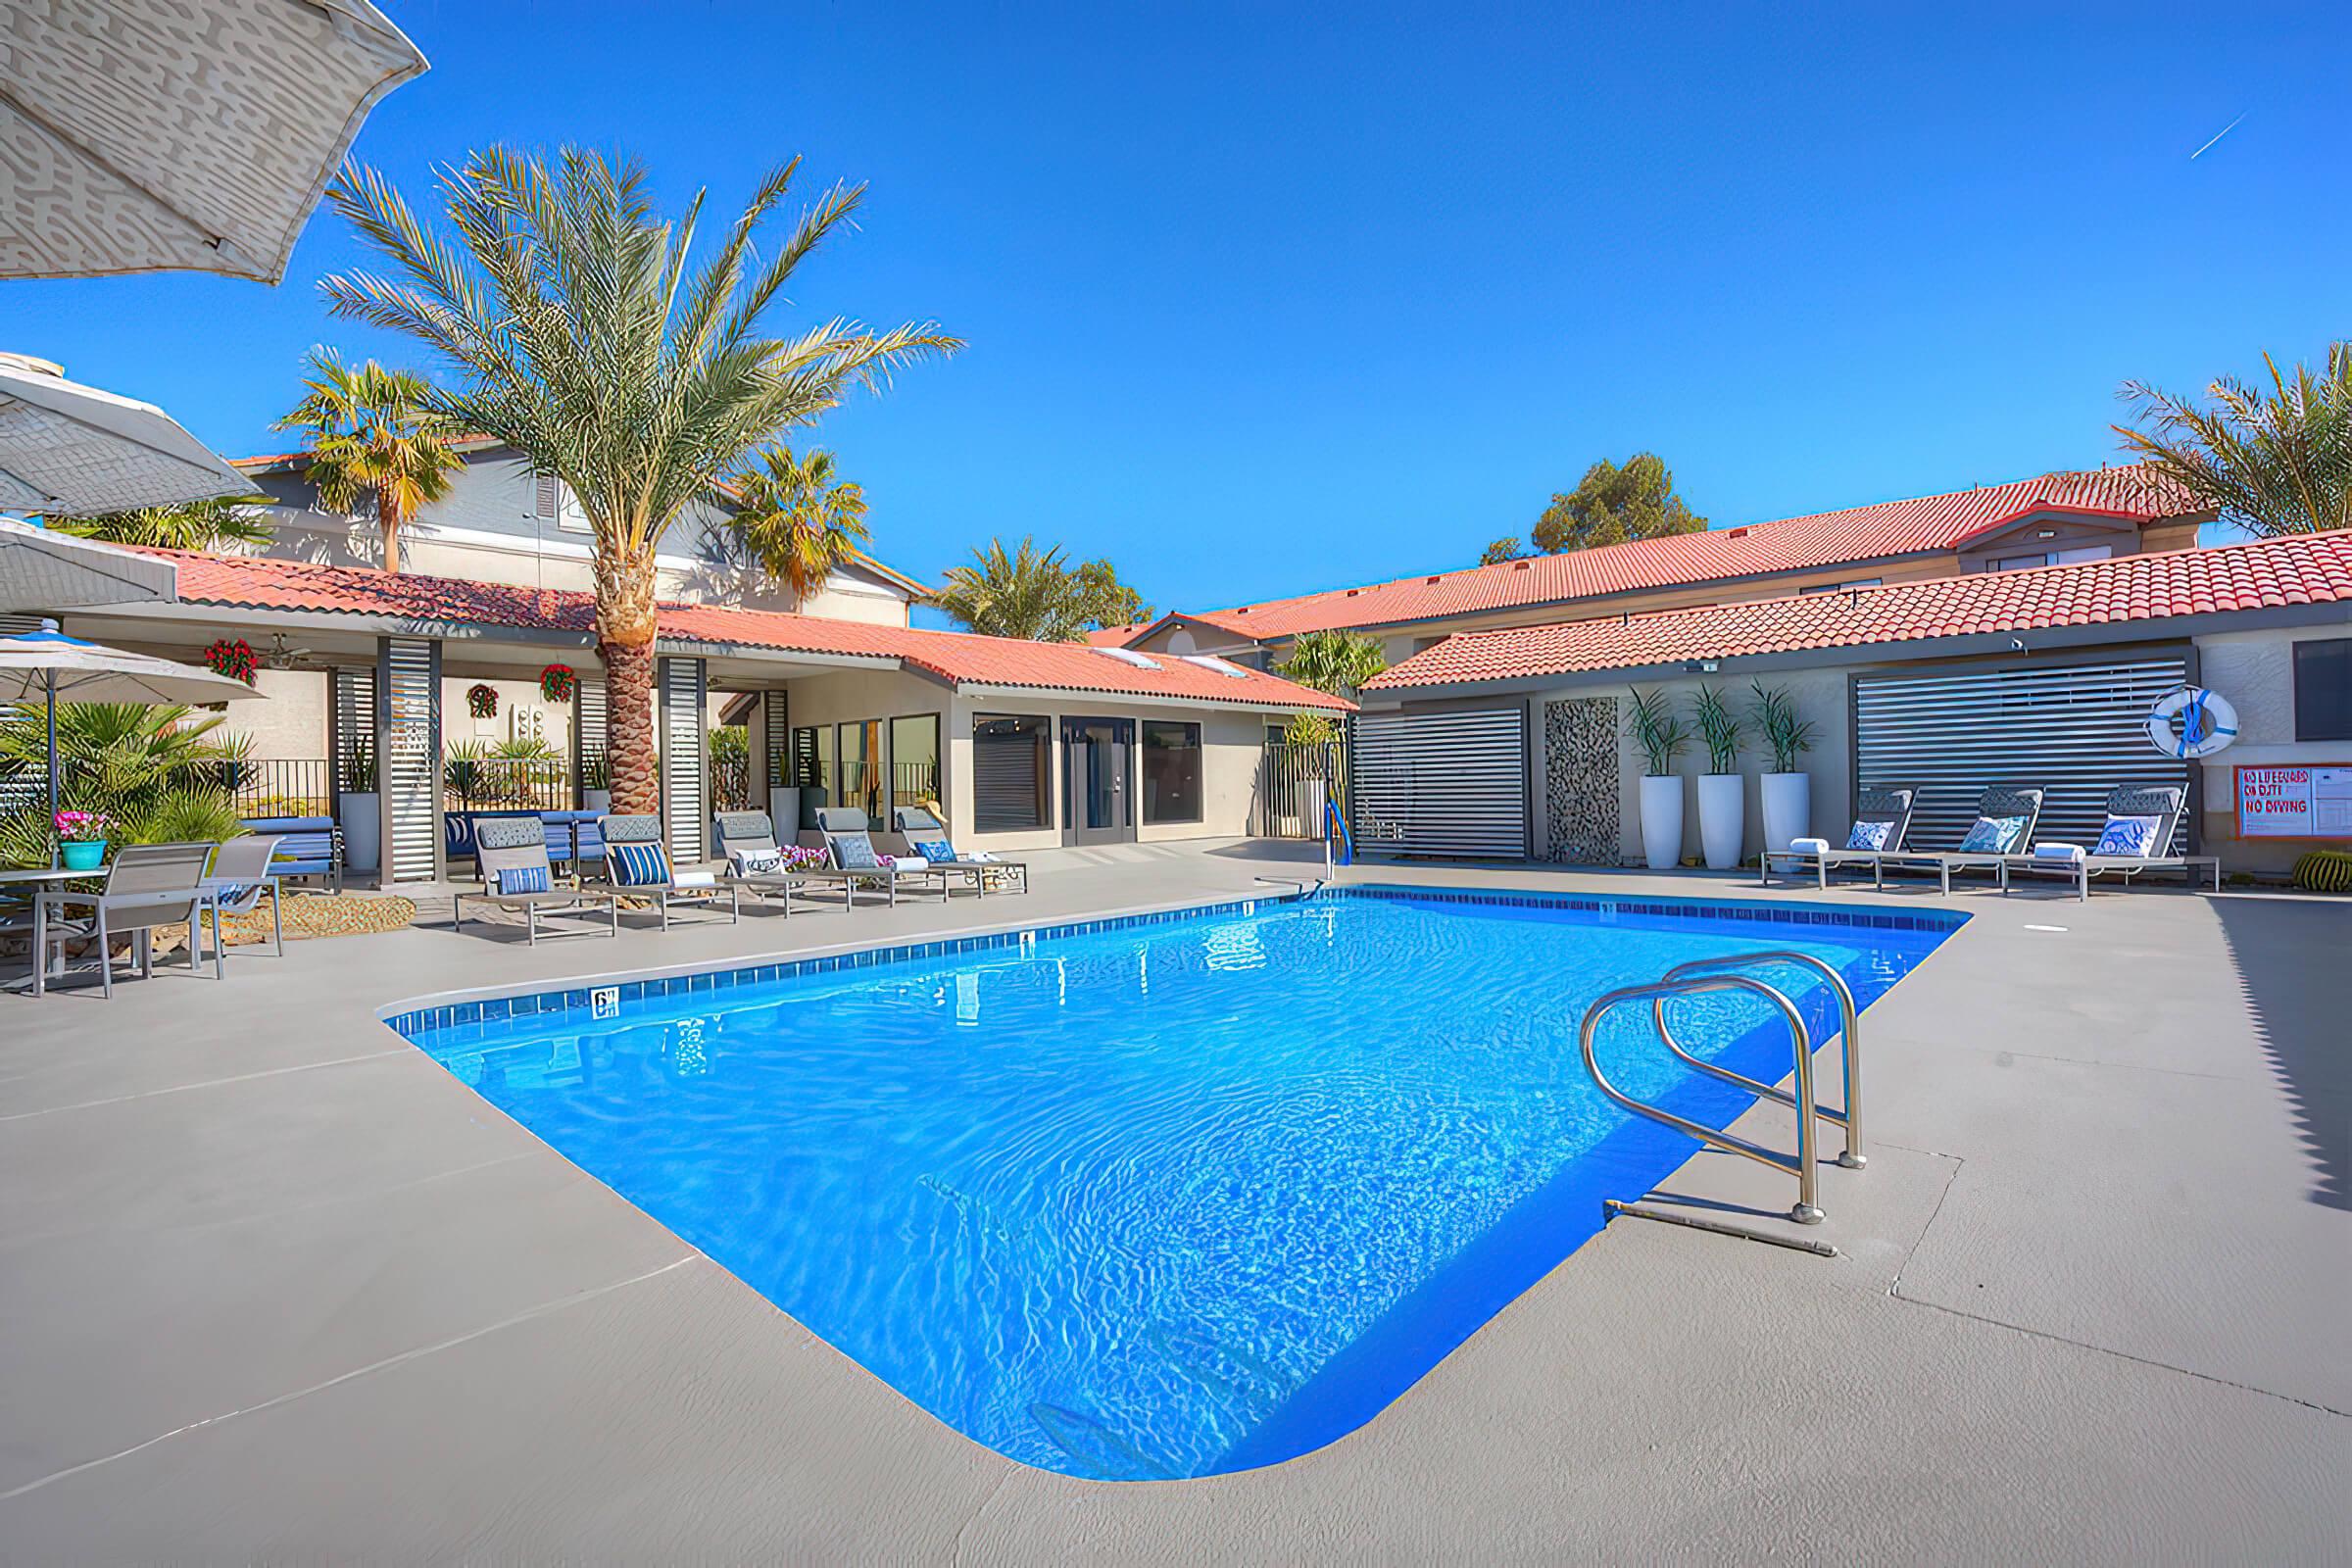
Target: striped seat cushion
pixel 516 879
pixel 639 866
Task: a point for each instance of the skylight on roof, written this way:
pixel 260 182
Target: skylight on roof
pixel 1128 656
pixel 1211 661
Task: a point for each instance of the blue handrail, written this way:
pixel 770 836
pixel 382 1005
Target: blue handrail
pixel 1333 821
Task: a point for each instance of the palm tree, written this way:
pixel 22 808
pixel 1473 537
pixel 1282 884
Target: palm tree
pixel 190 526
pixel 1029 594
pixel 375 432
pixel 2275 462
pixel 1334 661
pixel 797 519
pixel 584 343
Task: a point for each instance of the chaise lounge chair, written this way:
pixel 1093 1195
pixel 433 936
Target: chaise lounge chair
pixel 148 885
pixel 639 864
pixel 242 874
pixel 924 833
pixel 756 861
pixel 515 875
pixel 852 858
pixel 1881 822
pixel 2004 826
pixel 2139 822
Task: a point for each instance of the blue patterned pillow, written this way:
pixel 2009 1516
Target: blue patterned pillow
pixel 514 879
pixel 2127 835
pixel 1869 835
pixel 935 850
pixel 641 865
pixel 1993 835
pixel 855 852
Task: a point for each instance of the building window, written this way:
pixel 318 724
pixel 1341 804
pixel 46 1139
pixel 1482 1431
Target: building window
pixel 914 763
pixel 860 754
pixel 1841 587
pixel 1171 772
pixel 2323 690
pixel 2050 557
pixel 812 758
pixel 1012 772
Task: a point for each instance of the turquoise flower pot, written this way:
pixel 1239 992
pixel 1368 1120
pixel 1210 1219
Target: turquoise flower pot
pixel 88 855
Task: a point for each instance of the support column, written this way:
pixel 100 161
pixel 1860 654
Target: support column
pixel 407 728
pixel 771 738
pixel 685 777
pixel 588 732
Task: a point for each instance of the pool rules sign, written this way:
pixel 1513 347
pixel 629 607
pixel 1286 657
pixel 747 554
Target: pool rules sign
pixel 2295 803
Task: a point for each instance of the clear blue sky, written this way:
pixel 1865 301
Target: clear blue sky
pixel 1257 305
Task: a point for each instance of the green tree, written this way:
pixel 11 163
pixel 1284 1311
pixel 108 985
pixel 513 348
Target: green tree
pixel 1507 547
pixel 1335 661
pixel 2274 462
pixel 587 344
pixel 157 772
pixel 375 432
pixel 190 526
pixel 1611 504
pixel 1028 592
pixel 797 519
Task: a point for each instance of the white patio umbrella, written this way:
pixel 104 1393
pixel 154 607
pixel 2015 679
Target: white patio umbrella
pixel 47 665
pixel 68 450
pixel 42 568
pixel 148 136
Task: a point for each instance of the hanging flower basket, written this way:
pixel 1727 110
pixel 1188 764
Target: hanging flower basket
pixel 556 683
pixel 231 657
pixel 481 700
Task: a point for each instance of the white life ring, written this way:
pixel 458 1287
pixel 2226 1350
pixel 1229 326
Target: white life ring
pixel 2168 733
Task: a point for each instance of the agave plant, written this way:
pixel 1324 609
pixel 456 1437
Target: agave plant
pixel 1719 730
pixel 1657 730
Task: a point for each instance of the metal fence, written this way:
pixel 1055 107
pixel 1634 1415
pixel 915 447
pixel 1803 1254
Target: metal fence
pixel 472 783
pixel 1294 780
pixel 276 786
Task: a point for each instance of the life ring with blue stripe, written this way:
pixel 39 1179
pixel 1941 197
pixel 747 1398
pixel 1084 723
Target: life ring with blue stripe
pixel 2191 722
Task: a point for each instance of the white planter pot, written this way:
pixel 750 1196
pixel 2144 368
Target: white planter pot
pixel 1312 794
pixel 596 800
pixel 363 826
pixel 1787 808
pixel 1722 819
pixel 1662 822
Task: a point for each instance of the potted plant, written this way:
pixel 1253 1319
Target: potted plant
pixel 1661 737
pixel 596 782
pixel 1722 796
pixel 360 813
pixel 1787 789
pixel 81 839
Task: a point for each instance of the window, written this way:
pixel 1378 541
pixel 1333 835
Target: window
pixel 1012 773
pixel 915 762
pixel 1841 587
pixel 812 758
pixel 2323 690
pixel 2050 557
pixel 1171 772
pixel 860 753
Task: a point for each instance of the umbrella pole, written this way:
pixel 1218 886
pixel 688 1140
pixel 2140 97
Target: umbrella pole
pixel 49 680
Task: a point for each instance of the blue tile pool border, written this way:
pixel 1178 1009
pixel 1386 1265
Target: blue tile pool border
pixel 415 1021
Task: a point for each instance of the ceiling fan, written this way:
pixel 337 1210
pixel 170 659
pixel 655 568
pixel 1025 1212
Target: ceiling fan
pixel 279 657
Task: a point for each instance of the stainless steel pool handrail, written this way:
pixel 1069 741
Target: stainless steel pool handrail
pixel 1849 1041
pixel 1801 1166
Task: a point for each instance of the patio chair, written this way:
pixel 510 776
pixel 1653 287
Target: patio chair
pixel 638 863
pixel 517 876
pixel 241 876
pixel 2135 816
pixel 148 885
pixel 851 856
pixel 1881 822
pixel 2004 826
pixel 925 833
pixel 755 860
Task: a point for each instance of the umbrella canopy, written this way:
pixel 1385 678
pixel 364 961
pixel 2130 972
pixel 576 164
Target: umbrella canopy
pixel 146 136
pixel 68 450
pixel 47 663
pixel 41 570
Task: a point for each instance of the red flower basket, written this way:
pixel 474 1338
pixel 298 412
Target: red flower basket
pixel 557 684
pixel 481 700
pixel 232 656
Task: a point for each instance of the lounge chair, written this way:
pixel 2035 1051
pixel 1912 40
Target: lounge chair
pixel 1873 807
pixel 517 876
pixel 148 885
pixel 2129 810
pixel 852 858
pixel 307 845
pixel 2004 826
pixel 242 874
pixel 638 863
pixel 922 830
pixel 755 860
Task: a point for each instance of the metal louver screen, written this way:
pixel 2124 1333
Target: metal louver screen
pixel 682 764
pixel 408 725
pixel 1452 785
pixel 775 721
pixel 2076 731
pixel 587 721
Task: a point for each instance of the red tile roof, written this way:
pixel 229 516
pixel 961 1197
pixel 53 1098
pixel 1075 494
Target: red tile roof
pixel 2306 570
pixel 250 583
pixel 1823 539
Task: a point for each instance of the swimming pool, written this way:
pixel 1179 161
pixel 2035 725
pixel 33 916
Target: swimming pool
pixel 1165 1198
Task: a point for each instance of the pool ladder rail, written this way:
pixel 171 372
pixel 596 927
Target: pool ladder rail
pixel 1702 976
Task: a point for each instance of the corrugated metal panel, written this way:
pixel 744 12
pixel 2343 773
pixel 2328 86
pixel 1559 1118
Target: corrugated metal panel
pixel 2076 731
pixel 1447 784
pixel 683 768
pixel 408 722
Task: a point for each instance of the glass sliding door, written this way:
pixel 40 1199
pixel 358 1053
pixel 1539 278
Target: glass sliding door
pixel 1096 755
pixel 1171 761
pixel 860 745
pixel 914 778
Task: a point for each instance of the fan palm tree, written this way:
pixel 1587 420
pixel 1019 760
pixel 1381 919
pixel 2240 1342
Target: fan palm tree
pixel 190 526
pixel 797 519
pixel 2274 461
pixel 1029 594
pixel 1334 661
pixel 375 432
pixel 586 344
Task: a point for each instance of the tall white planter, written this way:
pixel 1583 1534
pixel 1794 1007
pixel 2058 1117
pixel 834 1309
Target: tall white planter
pixel 363 825
pixel 1662 821
pixel 1787 808
pixel 1722 819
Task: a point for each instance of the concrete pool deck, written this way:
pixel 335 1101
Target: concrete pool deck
pixel 277 1286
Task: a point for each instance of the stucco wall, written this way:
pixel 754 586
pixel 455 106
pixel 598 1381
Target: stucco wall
pixel 2256 672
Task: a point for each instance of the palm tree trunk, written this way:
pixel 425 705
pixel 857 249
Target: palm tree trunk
pixel 624 641
pixel 387 517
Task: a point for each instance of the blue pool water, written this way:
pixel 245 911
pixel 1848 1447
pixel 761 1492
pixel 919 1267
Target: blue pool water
pixel 1173 1198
